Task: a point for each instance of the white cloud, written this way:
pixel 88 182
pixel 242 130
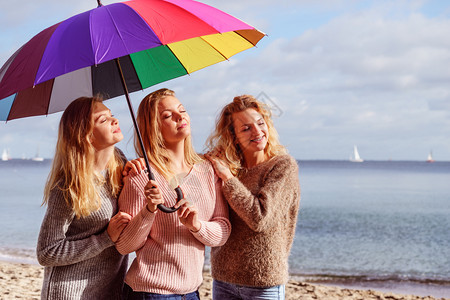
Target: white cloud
pixel 354 72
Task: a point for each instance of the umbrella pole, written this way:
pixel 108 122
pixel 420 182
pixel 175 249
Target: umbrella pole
pixel 141 143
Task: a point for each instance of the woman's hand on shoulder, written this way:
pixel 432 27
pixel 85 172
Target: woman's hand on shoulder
pixel 220 167
pixel 133 167
pixel 117 224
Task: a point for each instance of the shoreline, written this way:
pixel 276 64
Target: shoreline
pixel 403 287
pixel 24 281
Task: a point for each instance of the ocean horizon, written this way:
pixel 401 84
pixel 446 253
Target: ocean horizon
pixel 379 225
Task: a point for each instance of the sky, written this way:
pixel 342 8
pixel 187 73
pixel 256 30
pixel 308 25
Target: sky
pixel 340 73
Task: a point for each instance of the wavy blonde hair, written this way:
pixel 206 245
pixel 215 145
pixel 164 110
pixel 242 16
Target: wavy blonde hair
pixel 224 137
pixel 149 123
pixel 72 169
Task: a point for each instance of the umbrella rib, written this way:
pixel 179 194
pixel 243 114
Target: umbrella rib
pixel 254 45
pixel 117 29
pixel 187 72
pixel 215 47
pixel 10 109
pixel 49 98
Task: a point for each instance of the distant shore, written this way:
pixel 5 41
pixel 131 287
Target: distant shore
pixel 24 281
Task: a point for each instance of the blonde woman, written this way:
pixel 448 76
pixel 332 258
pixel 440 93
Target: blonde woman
pixel 170 247
pixel 260 183
pixel 81 224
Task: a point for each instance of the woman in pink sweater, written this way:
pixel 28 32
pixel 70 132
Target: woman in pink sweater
pixel 170 247
pixel 260 183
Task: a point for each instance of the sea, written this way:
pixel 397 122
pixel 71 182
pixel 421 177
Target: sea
pixel 380 225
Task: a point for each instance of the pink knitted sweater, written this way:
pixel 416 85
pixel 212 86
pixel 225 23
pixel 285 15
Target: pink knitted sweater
pixel 169 257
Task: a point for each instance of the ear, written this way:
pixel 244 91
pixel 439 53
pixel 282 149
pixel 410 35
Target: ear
pixel 90 138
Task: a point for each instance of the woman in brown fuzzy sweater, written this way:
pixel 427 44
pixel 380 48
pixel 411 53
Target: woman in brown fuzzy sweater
pixel 262 188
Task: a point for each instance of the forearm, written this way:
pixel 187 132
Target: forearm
pixel 217 229
pixel 214 233
pixel 245 204
pixel 271 191
pixel 135 234
pixel 66 252
pixel 55 247
pixel 133 202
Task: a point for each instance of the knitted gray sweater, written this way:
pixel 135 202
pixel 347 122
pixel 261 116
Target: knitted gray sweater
pixel 80 259
pixel 264 203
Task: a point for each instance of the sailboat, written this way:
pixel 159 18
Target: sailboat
pixel 355 156
pixel 430 157
pixel 5 155
pixel 37 157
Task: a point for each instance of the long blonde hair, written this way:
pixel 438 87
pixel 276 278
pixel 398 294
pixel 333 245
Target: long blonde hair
pixel 149 123
pixel 224 136
pixel 72 169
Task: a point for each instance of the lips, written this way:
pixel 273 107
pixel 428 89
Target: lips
pixel 183 126
pixel 117 130
pixel 259 139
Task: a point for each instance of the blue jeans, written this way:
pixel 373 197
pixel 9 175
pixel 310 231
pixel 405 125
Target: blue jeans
pixel 229 291
pixel 129 294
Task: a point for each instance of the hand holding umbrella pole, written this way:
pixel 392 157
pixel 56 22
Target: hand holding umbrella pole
pixel 178 190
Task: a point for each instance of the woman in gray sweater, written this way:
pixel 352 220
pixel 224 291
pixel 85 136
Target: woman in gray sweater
pixel 260 183
pixel 81 224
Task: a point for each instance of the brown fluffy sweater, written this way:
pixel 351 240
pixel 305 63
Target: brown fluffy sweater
pixel 264 203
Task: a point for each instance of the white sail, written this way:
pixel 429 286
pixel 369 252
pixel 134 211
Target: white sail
pixel 5 155
pixel 430 157
pixel 355 156
pixel 37 157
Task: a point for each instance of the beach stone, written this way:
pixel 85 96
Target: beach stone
pixel 310 288
pixel 21 281
pixel 392 296
pixel 320 294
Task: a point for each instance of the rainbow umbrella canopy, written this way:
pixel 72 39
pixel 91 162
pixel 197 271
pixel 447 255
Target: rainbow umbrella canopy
pixel 151 41
pixel 116 49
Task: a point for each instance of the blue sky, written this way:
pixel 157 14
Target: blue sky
pixel 371 73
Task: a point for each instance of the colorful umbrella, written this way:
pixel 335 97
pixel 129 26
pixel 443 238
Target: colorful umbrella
pixel 116 49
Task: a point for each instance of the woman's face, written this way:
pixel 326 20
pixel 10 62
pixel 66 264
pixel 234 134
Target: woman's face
pixel 106 132
pixel 175 121
pixel 251 131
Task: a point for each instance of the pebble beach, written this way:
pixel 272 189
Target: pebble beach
pixel 24 281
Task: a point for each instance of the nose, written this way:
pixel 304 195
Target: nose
pixel 177 116
pixel 255 130
pixel 115 121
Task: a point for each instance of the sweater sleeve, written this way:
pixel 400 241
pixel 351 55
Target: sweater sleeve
pixel 133 201
pixel 215 232
pixel 276 194
pixel 54 248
